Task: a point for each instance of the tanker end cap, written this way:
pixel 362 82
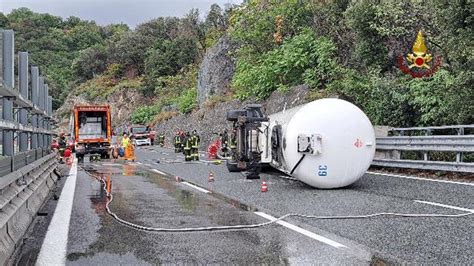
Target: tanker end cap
pixel 329 143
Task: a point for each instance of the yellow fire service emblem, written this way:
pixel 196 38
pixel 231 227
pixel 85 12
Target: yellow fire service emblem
pixel 419 60
pixel 419 57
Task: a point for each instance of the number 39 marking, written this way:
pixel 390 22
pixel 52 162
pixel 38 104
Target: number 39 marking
pixel 323 170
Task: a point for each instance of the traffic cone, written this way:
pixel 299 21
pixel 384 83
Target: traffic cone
pixel 264 187
pixel 211 177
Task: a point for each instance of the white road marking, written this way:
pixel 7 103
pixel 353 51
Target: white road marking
pixel 421 178
pixel 53 251
pixel 111 164
pixel 195 187
pixel 302 231
pixel 139 163
pixel 158 171
pixel 445 206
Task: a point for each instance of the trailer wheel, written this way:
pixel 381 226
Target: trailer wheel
pixel 232 167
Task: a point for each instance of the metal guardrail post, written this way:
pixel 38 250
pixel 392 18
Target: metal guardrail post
pixel 34 98
pixel 9 82
pixel 40 105
pixel 23 84
pixel 425 153
pixel 459 154
pixel 46 121
pixel 50 113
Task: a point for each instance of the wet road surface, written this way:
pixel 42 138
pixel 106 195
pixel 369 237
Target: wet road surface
pixel 399 240
pixel 150 199
pixel 146 193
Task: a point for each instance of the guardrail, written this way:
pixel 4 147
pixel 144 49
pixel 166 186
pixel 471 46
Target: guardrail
pixel 390 149
pixel 26 165
pixel 26 106
pixel 22 193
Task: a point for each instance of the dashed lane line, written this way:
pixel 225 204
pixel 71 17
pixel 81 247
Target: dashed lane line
pixel 158 171
pixel 195 187
pixel 421 178
pixel 445 206
pixel 302 231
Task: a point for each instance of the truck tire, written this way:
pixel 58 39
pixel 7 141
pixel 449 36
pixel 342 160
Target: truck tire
pixel 232 167
pixel 115 153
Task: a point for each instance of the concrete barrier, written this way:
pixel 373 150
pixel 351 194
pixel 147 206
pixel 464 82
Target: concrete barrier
pixel 22 193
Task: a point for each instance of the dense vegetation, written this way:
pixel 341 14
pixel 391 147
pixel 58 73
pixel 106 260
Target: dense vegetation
pixel 342 47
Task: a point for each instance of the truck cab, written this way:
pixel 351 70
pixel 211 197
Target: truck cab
pixel 91 127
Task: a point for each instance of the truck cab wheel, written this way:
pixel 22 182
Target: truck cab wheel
pixel 232 167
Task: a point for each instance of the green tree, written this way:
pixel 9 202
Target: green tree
pixel 90 62
pixel 3 20
pixel 302 59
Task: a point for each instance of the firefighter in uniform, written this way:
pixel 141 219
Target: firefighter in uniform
pixel 177 142
pixel 187 147
pixel 225 143
pixel 195 140
pixel 233 143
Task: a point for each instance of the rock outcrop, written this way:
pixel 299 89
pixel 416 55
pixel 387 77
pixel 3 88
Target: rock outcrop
pixel 216 70
pixel 123 102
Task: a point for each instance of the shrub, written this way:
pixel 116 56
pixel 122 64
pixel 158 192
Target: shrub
pixel 188 101
pixel 302 59
pixel 145 114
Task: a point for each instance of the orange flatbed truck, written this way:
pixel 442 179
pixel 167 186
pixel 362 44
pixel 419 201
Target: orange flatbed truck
pixel 92 130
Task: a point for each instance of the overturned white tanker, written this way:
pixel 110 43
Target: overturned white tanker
pixel 327 143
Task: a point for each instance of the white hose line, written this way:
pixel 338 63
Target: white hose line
pixel 250 226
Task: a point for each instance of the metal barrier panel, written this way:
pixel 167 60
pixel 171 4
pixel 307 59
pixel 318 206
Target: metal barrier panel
pixel 30 156
pixel 19 161
pixel 424 141
pixel 5 166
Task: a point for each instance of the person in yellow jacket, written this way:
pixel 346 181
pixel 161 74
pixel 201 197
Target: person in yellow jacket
pixel 128 147
pixel 188 147
pixel 195 141
pixel 125 141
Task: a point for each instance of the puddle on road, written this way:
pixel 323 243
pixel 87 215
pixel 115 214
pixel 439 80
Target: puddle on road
pixel 265 249
pixel 266 245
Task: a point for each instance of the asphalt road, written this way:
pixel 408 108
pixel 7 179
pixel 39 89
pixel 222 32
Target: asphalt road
pixel 147 198
pixel 398 240
pixel 146 193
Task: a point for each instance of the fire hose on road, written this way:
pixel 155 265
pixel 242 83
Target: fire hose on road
pixel 106 187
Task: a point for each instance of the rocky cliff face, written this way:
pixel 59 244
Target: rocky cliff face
pixel 216 70
pixel 122 103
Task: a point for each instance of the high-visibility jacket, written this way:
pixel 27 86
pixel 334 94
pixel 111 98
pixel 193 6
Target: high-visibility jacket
pixel 177 139
pixel 125 142
pixel 195 141
pixel 187 143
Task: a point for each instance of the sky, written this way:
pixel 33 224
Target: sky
pixel 131 12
